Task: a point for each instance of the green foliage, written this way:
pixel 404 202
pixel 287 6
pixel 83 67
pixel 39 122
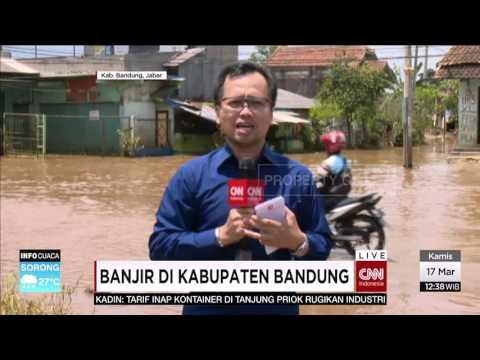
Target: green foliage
pixel 431 98
pixel 309 137
pixel 355 91
pixel 128 144
pixel 427 104
pixel 323 113
pixel 263 53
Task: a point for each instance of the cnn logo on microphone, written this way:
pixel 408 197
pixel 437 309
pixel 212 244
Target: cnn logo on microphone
pixel 371 271
pixel 245 192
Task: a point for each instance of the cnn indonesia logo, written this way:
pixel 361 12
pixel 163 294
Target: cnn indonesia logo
pixel 251 191
pixel 245 192
pixel 371 271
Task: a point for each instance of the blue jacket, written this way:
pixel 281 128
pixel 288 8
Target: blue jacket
pixel 196 202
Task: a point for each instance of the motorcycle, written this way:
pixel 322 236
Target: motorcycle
pixel 356 223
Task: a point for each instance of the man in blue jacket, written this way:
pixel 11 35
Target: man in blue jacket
pixel 194 221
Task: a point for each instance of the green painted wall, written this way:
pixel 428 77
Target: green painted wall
pixel 75 133
pixel 52 92
pixel 108 93
pixel 2 101
pixel 16 96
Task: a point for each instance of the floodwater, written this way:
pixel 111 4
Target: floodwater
pixel 103 208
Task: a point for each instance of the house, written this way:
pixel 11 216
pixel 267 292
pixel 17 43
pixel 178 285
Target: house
pixel 15 80
pixel 14 77
pixel 463 63
pixel 84 113
pixel 196 124
pixel 292 115
pixel 200 66
pixel 301 69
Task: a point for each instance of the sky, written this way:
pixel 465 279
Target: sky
pixel 392 53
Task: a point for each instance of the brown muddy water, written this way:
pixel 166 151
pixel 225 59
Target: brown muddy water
pixel 103 208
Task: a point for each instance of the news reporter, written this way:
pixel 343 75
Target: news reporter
pixel 194 221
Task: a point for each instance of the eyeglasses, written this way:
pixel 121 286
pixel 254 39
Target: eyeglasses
pixel 255 104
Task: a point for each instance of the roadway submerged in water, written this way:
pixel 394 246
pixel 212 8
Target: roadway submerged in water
pixel 95 208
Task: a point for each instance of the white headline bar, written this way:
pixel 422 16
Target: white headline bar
pixel 224 276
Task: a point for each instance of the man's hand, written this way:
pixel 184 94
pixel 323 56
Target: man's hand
pixel 285 235
pixel 234 229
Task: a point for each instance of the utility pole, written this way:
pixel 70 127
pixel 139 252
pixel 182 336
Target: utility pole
pixel 73 50
pixel 425 69
pixel 414 79
pixel 407 103
pixel 35 51
pixel 411 111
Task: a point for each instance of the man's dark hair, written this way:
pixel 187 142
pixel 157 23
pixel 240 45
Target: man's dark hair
pixel 244 68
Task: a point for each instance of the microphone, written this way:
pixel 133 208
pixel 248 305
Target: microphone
pixel 247 167
pixel 246 192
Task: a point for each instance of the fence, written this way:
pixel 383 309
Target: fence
pixel 79 134
pixel 24 134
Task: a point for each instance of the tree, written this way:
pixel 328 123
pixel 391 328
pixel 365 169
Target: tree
pixel 391 110
pixel 355 91
pixel 427 105
pixel 431 98
pixel 434 99
pixel 322 115
pixel 263 53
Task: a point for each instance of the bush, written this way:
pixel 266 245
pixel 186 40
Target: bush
pixel 373 141
pixel 12 303
pixel 418 138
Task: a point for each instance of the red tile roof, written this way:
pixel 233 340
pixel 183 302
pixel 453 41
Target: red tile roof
pixel 461 55
pixel 461 62
pixel 317 55
pixel 375 64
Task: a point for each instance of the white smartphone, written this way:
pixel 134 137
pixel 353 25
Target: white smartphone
pixel 273 209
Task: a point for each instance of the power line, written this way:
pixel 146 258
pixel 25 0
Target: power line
pixel 49 52
pixel 146 62
pixel 28 50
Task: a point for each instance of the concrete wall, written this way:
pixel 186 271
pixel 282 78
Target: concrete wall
pixel 468 121
pixel 144 113
pixel 305 81
pixel 71 65
pixel 201 71
pixel 142 49
pixel 216 58
pixel 137 102
pixel 192 71
pixel 147 61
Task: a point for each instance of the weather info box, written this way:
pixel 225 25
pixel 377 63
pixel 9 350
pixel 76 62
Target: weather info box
pixel 440 270
pixel 40 271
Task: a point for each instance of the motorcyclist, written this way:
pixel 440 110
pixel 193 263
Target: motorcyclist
pixel 334 174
